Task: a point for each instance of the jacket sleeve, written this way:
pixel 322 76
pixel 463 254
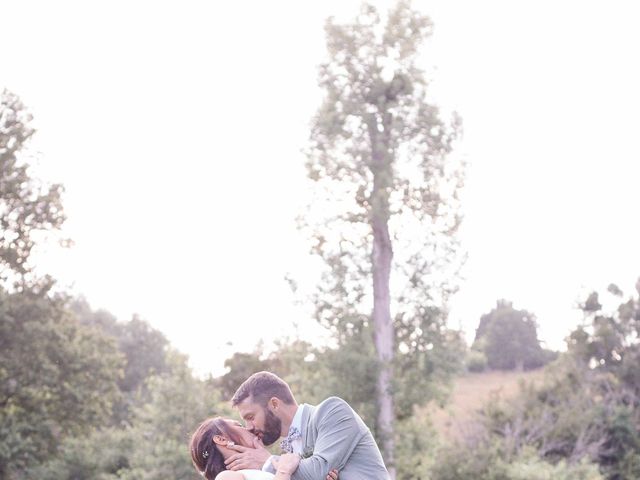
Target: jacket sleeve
pixel 338 434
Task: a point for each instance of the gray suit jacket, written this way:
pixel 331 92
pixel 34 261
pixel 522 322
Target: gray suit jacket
pixel 339 439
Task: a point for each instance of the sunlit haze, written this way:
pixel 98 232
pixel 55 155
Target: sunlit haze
pixel 177 129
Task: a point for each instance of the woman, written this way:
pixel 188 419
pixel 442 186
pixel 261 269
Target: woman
pixel 210 447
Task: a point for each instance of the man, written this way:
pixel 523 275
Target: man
pixel 327 436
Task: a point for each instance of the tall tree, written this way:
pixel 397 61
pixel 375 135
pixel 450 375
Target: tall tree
pixel 26 205
pixel 378 155
pixel 509 339
pixel 144 350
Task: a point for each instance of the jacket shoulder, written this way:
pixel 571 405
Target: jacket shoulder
pixel 333 406
pixel 333 402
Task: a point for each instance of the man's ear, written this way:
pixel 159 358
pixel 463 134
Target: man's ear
pixel 274 403
pixel 220 440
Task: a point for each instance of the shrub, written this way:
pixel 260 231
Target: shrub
pixel 476 361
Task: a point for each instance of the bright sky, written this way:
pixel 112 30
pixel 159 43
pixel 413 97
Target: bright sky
pixel 176 128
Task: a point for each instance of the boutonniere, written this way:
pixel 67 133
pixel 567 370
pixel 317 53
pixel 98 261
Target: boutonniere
pixel 307 452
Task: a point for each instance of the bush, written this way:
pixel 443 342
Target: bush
pixel 416 443
pixel 533 468
pixel 476 361
pixel 488 460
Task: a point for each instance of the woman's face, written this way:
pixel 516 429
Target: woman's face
pixel 239 434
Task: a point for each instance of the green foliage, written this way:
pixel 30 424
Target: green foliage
pixel 145 350
pixel 178 402
pixel 474 456
pixel 305 368
pixel 102 455
pixel 424 372
pixel 588 407
pixel 162 427
pixel 417 448
pixel 509 339
pixel 610 341
pixel 609 345
pixel 154 446
pixel 530 467
pixel 26 206
pixel 143 347
pixel 57 378
pixel 241 366
pixel 350 373
pixel 486 460
pixel 476 361
pixel 559 418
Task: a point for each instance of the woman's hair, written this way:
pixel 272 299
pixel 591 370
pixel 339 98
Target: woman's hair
pixel 205 455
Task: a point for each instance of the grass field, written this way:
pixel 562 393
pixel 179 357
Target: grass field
pixel 470 393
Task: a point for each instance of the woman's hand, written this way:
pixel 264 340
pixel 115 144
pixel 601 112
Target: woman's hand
pixel 247 457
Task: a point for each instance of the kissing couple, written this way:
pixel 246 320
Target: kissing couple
pixel 319 442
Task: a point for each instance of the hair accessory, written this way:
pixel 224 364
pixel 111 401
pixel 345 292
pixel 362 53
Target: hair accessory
pixel 205 454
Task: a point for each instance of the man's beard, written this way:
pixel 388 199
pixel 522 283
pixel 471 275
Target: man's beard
pixel 272 428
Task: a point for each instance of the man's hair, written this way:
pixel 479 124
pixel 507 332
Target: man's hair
pixel 262 386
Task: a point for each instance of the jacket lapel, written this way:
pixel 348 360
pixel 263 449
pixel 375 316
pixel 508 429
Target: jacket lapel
pixel 307 411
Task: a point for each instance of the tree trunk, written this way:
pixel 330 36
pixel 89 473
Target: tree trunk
pixel 384 336
pixel 381 256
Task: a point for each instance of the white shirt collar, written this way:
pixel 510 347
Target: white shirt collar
pixel 297 418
